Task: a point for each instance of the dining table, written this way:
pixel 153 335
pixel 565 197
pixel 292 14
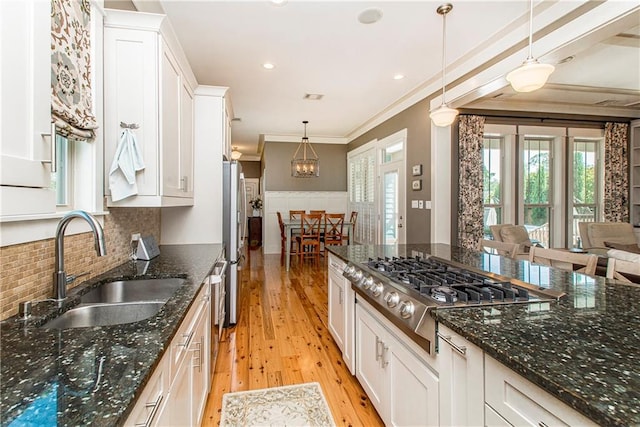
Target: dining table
pixel 291 225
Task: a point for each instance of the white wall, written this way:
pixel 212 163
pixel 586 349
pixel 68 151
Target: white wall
pixel 283 201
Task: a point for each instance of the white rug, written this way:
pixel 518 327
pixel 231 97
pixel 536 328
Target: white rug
pixel 294 405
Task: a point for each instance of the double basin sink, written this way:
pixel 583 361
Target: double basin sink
pixel 118 302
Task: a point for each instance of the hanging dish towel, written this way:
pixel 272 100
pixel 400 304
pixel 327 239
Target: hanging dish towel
pixel 126 162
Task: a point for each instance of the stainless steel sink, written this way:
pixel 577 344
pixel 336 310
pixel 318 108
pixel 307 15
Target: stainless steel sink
pixel 118 302
pixel 133 290
pixel 104 315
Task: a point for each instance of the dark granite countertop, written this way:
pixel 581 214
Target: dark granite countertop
pixel 93 376
pixel 584 350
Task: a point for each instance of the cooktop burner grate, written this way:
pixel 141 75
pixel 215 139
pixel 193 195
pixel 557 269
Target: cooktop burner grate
pixel 445 283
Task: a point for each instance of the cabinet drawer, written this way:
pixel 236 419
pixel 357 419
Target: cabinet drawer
pixel 184 336
pixel 521 402
pixel 152 399
pixel 493 419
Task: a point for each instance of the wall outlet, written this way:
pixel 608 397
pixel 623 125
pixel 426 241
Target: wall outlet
pixel 135 237
pixel 421 204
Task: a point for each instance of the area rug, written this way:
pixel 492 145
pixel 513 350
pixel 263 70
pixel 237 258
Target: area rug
pixel 294 405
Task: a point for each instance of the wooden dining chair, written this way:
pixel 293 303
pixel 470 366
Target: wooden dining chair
pixel 616 268
pixel 352 229
pixel 309 238
pixel 333 229
pixel 296 214
pixel 283 240
pixel 509 250
pixel 564 260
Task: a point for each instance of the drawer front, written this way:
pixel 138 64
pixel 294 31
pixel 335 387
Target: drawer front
pixel 152 399
pixel 493 419
pixel 520 402
pixel 184 336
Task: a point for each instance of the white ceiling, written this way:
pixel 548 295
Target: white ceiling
pixel 319 47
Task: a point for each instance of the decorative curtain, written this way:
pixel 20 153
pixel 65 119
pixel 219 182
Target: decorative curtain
pixel 470 208
pixel 616 172
pixel 71 101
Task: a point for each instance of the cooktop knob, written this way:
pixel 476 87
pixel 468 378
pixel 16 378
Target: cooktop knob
pixel 368 282
pixel 392 299
pixel 358 275
pixel 348 270
pixel 406 309
pixel 377 289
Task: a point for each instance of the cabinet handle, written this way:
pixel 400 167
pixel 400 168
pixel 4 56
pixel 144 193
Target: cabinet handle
pixel 542 424
pixel 378 352
pixel 155 405
pixel 385 351
pixel 183 183
pixel 460 349
pixel 54 160
pixel 340 296
pixel 187 341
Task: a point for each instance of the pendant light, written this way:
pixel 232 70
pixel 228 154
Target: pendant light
pixel 531 75
pixel 443 115
pixel 303 166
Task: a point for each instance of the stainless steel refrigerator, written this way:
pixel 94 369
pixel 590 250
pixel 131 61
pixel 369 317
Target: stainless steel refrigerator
pixel 233 235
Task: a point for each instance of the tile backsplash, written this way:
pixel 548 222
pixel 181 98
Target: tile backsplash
pixel 27 268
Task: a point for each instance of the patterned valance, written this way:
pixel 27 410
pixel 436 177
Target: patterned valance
pixel 616 172
pixel 71 102
pixel 470 184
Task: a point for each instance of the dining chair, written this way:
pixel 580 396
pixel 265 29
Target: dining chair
pixel 509 250
pixel 352 228
pixel 333 229
pixel 564 259
pixel 616 268
pixel 309 238
pixel 296 214
pixel 283 240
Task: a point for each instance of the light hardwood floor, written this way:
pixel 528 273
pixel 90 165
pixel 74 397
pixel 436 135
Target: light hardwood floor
pixel 281 338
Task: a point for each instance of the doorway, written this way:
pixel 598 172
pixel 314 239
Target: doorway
pixel 392 189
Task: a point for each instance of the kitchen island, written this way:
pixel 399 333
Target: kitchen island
pixel 582 350
pixel 94 376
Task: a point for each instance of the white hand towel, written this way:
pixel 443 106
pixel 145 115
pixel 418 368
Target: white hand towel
pixel 126 162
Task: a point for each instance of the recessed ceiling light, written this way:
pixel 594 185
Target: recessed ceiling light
pixel 370 16
pixel 398 77
pixel 279 2
pixel 268 66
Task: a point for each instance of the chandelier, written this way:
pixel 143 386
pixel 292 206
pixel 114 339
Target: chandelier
pixel 443 115
pixel 301 165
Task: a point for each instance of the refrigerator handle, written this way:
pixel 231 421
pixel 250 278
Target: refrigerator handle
pixel 243 214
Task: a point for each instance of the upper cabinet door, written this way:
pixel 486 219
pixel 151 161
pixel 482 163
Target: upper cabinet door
pixel 25 107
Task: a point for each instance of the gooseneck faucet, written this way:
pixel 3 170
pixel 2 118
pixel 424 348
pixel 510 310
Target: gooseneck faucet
pixel 60 276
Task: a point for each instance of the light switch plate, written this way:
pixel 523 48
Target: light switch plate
pixel 414 204
pixel 427 204
pixel 421 204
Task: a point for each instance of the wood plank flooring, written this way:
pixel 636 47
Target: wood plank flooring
pixel 282 338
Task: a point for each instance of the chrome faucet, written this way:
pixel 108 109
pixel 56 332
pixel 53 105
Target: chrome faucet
pixel 60 276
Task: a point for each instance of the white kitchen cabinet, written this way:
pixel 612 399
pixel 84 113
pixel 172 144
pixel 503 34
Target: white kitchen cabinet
pixel 518 401
pixel 147 83
pixel 177 392
pixel 397 379
pixel 25 108
pixel 341 310
pixel 461 373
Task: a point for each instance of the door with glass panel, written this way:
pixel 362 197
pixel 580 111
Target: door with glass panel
pixel 392 190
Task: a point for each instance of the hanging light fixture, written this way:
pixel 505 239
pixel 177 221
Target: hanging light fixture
pixel 443 115
pixel 531 75
pixel 235 154
pixel 301 165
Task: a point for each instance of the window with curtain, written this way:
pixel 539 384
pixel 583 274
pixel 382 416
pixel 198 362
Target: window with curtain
pixel 545 178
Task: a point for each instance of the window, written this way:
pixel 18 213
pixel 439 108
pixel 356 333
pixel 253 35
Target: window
pixel 492 174
pixel 62 179
pixel 547 178
pixel 585 191
pixel 537 188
